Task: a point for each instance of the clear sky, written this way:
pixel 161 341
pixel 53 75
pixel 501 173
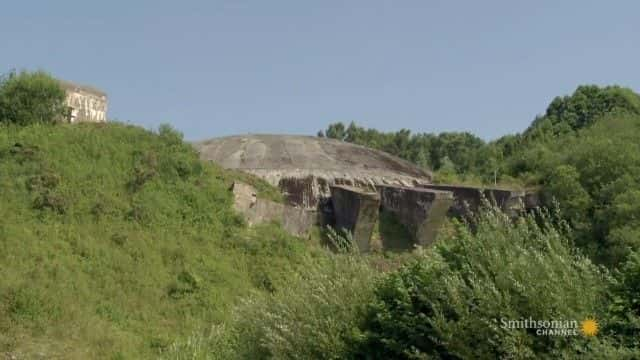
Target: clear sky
pixel 213 68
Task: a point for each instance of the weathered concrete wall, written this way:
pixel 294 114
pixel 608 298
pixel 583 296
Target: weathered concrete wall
pixel 421 210
pixel 86 103
pixel 312 191
pixel 469 198
pixel 303 192
pixel 244 197
pixel 296 221
pixel 356 211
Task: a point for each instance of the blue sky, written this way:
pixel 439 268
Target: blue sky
pixel 213 68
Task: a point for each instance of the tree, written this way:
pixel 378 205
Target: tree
pixel 582 109
pixel 625 308
pixel 423 149
pixel 31 97
pixel 336 131
pixel 563 184
pixel 422 160
pixel 460 147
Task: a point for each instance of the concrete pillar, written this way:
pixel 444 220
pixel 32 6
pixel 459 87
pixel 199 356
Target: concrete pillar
pixel 356 210
pixel 421 210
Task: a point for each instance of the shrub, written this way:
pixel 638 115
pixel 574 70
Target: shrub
pixel 51 200
pixel 31 97
pixel 315 317
pixel 625 308
pixel 450 302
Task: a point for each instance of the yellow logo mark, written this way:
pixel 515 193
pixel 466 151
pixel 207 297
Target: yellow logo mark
pixel 589 327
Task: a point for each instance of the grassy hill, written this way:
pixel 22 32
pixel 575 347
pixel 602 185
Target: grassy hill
pixel 115 241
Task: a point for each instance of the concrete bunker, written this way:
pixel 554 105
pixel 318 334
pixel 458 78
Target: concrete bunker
pixel 326 181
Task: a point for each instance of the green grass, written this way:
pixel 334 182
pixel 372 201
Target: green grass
pixel 115 241
pixel 314 317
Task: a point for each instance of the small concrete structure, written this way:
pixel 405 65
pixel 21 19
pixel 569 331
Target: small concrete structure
pixel 421 210
pixel 356 210
pixel 244 197
pixel 468 199
pixel 296 221
pixel 86 104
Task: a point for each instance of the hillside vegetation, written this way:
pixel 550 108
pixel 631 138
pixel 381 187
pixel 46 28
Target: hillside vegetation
pixel 118 243
pixel 115 241
pixel 451 301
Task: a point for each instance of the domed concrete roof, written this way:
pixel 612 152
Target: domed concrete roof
pixel 305 167
pixel 305 154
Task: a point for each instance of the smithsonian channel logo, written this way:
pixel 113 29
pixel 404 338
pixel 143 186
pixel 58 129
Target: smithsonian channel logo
pixel 587 327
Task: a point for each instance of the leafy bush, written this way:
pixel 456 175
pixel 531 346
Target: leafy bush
pixel 625 308
pixel 450 303
pixel 31 97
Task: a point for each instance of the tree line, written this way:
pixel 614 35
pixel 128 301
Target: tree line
pixel 584 153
